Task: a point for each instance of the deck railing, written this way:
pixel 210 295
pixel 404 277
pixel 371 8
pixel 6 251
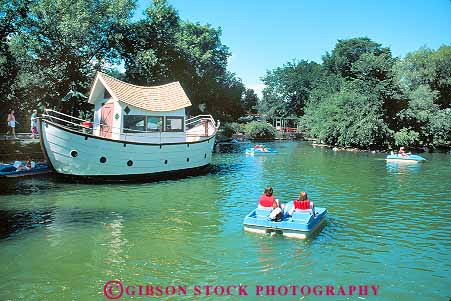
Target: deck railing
pixel 86 126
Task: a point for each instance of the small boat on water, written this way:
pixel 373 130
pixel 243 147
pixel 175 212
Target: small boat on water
pixel 19 170
pixel 404 158
pixel 300 224
pixel 260 150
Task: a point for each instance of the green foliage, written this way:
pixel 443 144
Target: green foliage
pixel 11 18
pixel 249 101
pixel 51 49
pixel 406 137
pixel 439 128
pixel 347 119
pixel 425 116
pixel 346 52
pixel 230 128
pixel 259 130
pixel 59 46
pixel 288 88
pixel 363 97
pixel 429 68
pixel 161 48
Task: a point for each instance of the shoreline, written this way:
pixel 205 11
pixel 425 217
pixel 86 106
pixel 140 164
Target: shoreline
pixel 424 149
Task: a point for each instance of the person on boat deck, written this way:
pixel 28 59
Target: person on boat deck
pixel 267 199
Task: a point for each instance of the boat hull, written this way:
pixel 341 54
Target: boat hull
pixel 40 169
pixel 300 225
pixel 76 154
pixel 409 158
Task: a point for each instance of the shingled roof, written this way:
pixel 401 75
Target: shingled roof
pixel 164 98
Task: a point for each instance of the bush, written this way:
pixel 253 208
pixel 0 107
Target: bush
pixel 347 119
pixel 228 129
pixel 406 137
pixel 259 130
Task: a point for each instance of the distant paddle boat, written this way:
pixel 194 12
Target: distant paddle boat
pixel 19 169
pixel 260 150
pixel 300 224
pixel 404 158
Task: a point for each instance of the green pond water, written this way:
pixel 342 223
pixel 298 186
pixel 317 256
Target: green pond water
pixel 388 225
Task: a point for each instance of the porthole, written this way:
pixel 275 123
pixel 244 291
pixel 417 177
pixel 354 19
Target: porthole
pixel 205 156
pixel 102 159
pixel 187 159
pixel 187 145
pixel 129 163
pixel 73 153
pixel 165 161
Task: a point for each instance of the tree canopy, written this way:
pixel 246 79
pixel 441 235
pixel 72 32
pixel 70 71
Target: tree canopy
pixel 51 49
pixel 362 96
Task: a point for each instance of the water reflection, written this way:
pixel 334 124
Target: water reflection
pixel 189 231
pixel 26 186
pixel 13 222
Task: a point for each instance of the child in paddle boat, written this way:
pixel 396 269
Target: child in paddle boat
pixel 303 203
pixel 402 152
pixel 27 166
pixel 267 199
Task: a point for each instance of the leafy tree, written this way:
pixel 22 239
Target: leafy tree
pixel 347 119
pixel 427 67
pixel 424 76
pixel 249 101
pixel 62 43
pixel 230 128
pixel 149 46
pixel 12 15
pixel 362 96
pixel 290 87
pixel 259 130
pixel 442 62
pixel 347 52
pixel 161 48
pixel 425 117
pixel 374 78
pixel 406 137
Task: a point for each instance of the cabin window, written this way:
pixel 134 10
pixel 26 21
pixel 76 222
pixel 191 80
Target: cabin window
pixel 134 123
pixel 174 124
pixel 154 123
pixel 141 123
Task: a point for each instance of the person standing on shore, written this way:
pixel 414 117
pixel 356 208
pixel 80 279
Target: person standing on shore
pixel 11 123
pixel 34 124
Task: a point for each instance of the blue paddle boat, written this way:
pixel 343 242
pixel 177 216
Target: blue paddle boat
pixel 260 150
pixel 20 170
pixel 300 224
pixel 404 158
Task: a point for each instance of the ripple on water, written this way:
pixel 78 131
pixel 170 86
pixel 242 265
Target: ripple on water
pixel 383 227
